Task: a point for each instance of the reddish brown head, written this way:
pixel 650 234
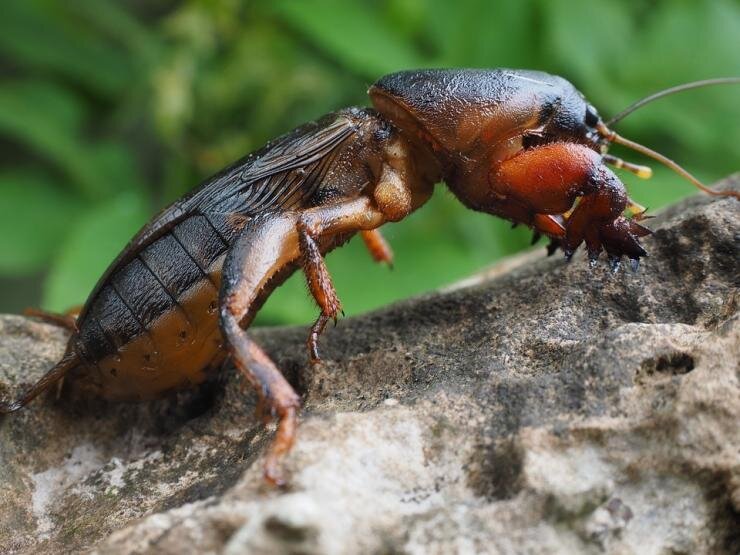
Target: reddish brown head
pixel 473 118
pixel 459 108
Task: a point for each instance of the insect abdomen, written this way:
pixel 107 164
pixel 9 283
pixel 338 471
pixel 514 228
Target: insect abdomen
pixel 152 327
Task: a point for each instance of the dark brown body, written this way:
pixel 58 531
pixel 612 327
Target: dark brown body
pixel 151 326
pixel 518 144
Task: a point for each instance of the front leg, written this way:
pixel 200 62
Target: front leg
pixel 546 181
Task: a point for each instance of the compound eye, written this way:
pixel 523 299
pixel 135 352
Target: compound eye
pixel 592 116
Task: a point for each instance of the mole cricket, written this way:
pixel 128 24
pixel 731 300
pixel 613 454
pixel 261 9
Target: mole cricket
pixel 521 145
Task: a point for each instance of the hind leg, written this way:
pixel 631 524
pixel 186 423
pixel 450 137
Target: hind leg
pixel 259 258
pixel 277 399
pixel 262 255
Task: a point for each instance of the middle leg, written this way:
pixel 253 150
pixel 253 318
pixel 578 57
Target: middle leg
pixel 392 200
pixel 359 214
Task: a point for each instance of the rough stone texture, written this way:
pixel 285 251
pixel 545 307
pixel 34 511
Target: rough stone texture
pixel 541 409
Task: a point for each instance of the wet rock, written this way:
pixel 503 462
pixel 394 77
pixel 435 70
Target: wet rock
pixel 540 408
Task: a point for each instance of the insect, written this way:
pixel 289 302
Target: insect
pixel 522 145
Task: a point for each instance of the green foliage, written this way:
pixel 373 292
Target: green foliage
pixel 109 111
pixel 95 238
pixel 41 230
pixel 353 34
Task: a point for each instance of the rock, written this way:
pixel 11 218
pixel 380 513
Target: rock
pixel 544 408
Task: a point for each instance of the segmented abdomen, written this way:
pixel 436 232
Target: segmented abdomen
pixel 152 326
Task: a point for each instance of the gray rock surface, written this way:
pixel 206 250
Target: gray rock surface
pixel 544 408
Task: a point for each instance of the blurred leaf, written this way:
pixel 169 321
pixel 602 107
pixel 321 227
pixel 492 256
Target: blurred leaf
pixel 47 119
pixel 581 49
pixel 39 100
pixel 173 102
pixel 116 170
pixel 407 16
pixel 481 33
pixel 114 20
pixel 35 218
pixel 352 34
pixel 95 239
pixel 40 33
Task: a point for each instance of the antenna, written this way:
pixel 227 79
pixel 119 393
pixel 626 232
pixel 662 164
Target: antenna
pixel 672 90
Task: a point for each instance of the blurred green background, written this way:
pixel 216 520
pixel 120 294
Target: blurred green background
pixel 110 110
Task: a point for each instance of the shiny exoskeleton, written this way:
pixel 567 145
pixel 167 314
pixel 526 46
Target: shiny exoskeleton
pixel 522 145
